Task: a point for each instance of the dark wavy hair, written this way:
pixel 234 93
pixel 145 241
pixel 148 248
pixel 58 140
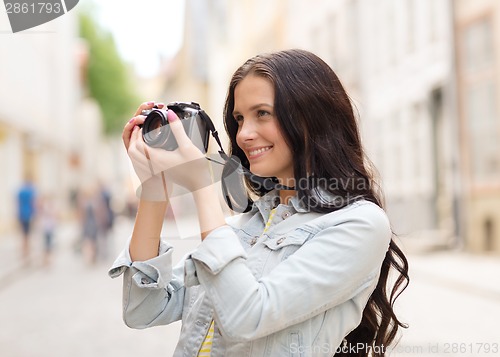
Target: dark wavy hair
pixel 318 123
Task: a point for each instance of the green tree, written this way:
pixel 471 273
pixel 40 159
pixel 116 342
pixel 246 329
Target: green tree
pixel 108 77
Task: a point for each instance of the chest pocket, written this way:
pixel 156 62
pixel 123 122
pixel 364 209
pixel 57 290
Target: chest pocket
pixel 284 245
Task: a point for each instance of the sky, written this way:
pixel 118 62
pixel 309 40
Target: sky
pixel 144 30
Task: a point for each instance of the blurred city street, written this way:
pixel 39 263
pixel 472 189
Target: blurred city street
pixel 452 305
pixel 73 309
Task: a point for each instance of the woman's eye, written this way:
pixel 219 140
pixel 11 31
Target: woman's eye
pixel 262 113
pixel 239 119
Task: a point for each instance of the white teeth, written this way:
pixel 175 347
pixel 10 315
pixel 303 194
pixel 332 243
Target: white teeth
pixel 258 151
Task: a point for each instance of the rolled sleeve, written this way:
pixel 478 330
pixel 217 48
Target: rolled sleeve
pixel 153 290
pixel 153 273
pixel 121 263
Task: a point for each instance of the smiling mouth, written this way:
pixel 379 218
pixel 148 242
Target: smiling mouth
pixel 259 151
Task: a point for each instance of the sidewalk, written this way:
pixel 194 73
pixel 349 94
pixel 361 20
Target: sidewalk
pixel 452 305
pixel 10 250
pixel 461 271
pixel 474 274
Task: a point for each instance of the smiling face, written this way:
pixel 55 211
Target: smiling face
pixel 259 134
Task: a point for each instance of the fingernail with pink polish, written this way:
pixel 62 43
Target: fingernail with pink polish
pixel 131 120
pixel 150 103
pixel 171 116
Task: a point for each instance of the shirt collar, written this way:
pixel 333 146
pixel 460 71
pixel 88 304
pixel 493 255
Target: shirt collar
pixel 271 200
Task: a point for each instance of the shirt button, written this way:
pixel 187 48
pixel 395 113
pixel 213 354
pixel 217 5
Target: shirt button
pixel 254 240
pixel 286 214
pixel 279 241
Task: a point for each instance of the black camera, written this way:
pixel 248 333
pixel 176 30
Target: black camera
pixel 156 130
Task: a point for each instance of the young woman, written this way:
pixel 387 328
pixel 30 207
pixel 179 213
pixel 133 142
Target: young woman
pixel 305 271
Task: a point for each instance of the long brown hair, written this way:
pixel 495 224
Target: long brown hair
pixel 317 120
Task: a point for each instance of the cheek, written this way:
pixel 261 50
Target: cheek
pixel 286 154
pixel 281 143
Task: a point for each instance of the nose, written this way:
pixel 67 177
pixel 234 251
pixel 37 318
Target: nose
pixel 246 132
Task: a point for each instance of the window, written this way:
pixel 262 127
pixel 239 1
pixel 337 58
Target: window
pixel 480 108
pixel 483 130
pixel 478 46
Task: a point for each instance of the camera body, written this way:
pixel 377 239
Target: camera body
pixel 156 130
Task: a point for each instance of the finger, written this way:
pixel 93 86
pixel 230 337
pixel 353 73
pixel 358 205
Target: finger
pixel 140 144
pixel 137 153
pixel 127 132
pixel 178 129
pixel 129 127
pixel 139 120
pixel 134 138
pixel 139 156
pixel 144 106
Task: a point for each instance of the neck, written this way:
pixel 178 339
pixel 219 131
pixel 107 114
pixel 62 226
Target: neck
pixel 287 182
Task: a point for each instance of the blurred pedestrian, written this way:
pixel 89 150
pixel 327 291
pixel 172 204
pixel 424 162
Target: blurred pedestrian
pixel 304 270
pixel 89 225
pixel 48 221
pixel 26 197
pixel 105 220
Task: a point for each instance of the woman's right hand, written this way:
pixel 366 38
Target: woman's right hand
pixel 153 186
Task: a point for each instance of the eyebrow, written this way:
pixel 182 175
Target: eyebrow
pixel 253 107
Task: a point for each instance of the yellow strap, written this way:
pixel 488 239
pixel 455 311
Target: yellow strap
pixel 206 346
pixel 269 220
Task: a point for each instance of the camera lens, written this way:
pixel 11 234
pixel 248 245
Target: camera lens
pixel 155 130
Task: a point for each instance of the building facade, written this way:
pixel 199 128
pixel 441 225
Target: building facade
pixel 409 117
pixel 477 28
pixel 47 131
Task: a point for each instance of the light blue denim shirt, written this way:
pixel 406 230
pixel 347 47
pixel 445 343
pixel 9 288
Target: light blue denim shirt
pixel 296 290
